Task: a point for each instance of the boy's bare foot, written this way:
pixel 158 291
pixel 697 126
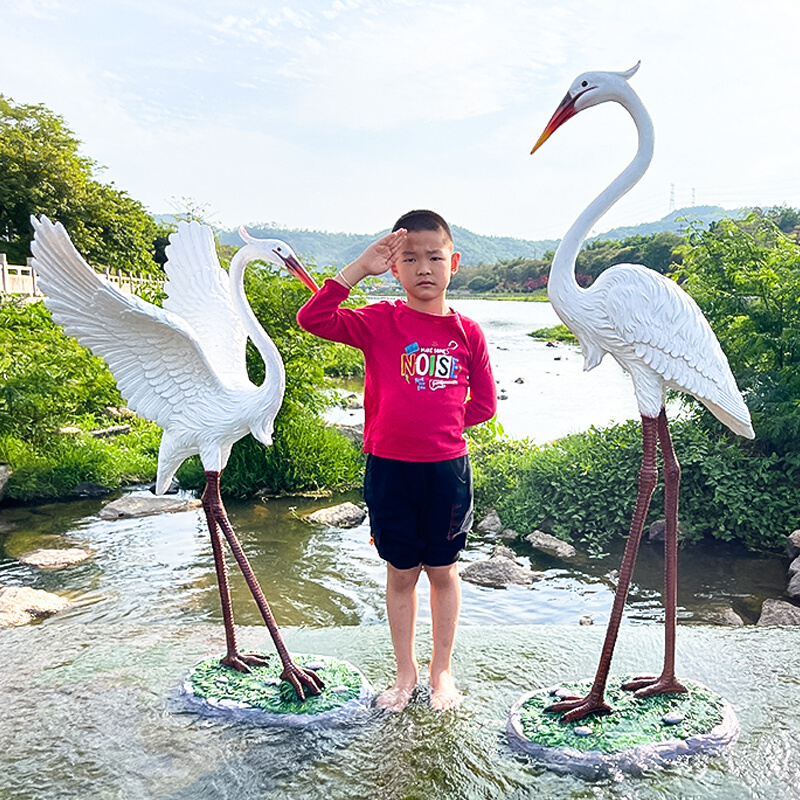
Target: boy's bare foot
pixel 444 694
pixel 394 699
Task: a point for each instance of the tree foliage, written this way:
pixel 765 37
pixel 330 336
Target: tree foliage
pixel 43 172
pixel 745 276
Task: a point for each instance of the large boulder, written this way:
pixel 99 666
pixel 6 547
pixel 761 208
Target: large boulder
pixel 345 515
pixel 793 544
pixel 779 612
pixel 499 570
pixel 141 506
pixel 551 545
pixel 20 605
pixel 793 589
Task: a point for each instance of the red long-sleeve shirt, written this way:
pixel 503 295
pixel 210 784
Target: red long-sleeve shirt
pixel 427 377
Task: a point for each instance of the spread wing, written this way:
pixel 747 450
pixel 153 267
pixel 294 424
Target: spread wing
pixel 198 290
pixel 155 356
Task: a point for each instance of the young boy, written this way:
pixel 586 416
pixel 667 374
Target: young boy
pixel 427 377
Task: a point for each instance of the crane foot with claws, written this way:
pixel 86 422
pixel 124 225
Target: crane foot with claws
pixel 579 707
pixel 300 677
pixel 649 685
pixel 243 661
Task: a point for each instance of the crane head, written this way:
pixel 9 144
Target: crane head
pixel 587 90
pixel 279 253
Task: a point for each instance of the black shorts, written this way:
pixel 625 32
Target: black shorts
pixel 419 512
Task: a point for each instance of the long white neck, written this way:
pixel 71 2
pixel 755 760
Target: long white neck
pixel 275 375
pixel 561 285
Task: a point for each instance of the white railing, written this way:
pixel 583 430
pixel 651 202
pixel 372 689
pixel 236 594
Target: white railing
pixel 23 280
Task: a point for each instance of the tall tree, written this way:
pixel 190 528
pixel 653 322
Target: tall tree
pixel 43 172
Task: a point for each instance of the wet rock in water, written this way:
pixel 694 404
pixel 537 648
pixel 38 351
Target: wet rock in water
pixel 779 612
pixel 55 559
pixel 173 488
pixel 508 535
pixel 551 545
pixel 93 491
pixel 20 605
pixel 490 523
pixel 657 531
pixel 793 544
pixel 355 433
pixel 5 474
pixel 793 589
pixel 135 506
pixel 586 620
pixel 499 570
pixel 723 615
pixel 345 515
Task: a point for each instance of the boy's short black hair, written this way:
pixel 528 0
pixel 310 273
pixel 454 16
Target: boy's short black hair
pixel 423 220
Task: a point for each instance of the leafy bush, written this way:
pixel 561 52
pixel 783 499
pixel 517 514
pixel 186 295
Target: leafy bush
pixel 582 488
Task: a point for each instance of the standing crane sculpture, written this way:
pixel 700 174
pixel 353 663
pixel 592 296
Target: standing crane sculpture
pixel 660 337
pixel 183 367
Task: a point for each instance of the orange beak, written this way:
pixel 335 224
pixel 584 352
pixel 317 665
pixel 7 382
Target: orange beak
pixel 298 270
pixel 566 110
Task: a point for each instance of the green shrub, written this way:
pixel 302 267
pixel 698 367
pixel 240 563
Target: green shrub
pixel 582 488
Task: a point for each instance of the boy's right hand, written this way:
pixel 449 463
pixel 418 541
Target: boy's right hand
pixel 377 258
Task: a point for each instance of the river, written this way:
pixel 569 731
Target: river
pixel 88 708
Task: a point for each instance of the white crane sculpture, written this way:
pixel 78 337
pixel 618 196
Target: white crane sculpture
pixel 183 367
pixel 660 337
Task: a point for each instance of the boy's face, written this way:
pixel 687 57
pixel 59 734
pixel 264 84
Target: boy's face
pixel 424 268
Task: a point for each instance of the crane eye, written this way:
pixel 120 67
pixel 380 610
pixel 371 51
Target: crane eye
pixel 584 84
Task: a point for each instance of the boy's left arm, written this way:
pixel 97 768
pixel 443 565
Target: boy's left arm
pixel 482 401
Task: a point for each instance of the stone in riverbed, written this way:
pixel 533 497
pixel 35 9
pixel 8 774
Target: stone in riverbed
pixel 132 506
pixel 20 605
pixel 345 515
pixel 490 523
pixel 551 545
pixel 55 559
pixel 779 612
pixel 499 570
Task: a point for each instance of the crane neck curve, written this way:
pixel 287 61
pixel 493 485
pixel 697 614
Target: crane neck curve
pixel 561 284
pixel 274 372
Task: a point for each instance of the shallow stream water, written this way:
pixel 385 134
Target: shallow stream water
pixel 88 696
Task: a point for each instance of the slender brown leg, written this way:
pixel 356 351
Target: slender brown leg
pixel 594 702
pixel 233 658
pixel 666 683
pixel 298 677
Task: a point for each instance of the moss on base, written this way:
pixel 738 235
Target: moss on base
pixel 263 689
pixel 633 722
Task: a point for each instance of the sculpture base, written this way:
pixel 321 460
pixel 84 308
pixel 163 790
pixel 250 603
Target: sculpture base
pixel 639 735
pixel 261 697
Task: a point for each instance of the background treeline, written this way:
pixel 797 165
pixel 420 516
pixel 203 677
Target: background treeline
pixel 744 273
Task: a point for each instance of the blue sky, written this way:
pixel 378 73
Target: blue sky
pixel 340 115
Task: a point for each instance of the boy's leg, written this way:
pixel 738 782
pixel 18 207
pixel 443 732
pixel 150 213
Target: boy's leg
pixel 401 608
pixel 445 606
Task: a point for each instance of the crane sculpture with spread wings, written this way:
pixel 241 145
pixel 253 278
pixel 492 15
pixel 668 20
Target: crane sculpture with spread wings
pixel 183 367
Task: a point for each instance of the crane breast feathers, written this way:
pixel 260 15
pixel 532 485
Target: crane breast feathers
pixel 153 354
pixel 666 329
pixel 198 290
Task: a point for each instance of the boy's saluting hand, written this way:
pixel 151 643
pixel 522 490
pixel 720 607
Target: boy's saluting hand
pixel 375 260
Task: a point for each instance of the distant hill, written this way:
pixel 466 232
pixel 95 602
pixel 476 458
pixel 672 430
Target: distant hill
pixel 341 248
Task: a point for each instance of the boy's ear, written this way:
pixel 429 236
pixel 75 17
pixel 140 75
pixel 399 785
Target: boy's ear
pixel 393 268
pixel 455 260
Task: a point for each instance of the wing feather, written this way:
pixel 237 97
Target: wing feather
pixel 198 290
pixel 155 356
